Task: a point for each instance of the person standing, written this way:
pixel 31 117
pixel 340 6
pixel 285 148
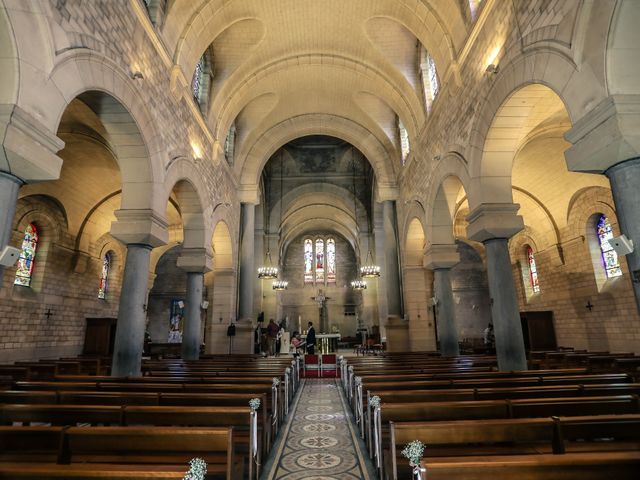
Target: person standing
pixel 272 335
pixel 311 339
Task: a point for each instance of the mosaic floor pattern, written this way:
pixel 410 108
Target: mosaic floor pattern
pixel 319 443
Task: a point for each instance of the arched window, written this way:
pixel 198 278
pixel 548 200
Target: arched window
pixel 308 261
pixel 610 261
pixel 474 7
pixel 197 82
pixel 405 148
pixel 533 271
pixel 429 75
pixel 230 144
pixel 319 260
pixel 104 276
pixel 331 260
pixel 27 256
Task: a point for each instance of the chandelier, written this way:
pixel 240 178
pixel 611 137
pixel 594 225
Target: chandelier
pixel 358 284
pixel 279 285
pixel 267 271
pixel 370 269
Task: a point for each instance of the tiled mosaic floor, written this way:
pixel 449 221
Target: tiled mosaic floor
pixel 319 443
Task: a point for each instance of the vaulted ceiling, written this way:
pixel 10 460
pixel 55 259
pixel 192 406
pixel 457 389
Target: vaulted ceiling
pixel 289 68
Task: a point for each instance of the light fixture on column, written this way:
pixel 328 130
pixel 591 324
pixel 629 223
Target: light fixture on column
pixel 279 285
pixel 359 284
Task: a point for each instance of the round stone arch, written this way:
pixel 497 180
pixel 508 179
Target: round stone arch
pixel 238 92
pixel 270 141
pixel 189 189
pixel 450 177
pixel 107 87
pixel 50 219
pixel 493 147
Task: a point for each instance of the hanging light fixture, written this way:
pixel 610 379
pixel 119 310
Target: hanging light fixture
pixel 370 269
pixel 279 285
pixel 359 283
pixel 267 271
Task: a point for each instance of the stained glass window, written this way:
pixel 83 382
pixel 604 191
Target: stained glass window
pixel 319 260
pixel 610 261
pixel 404 141
pixel 331 260
pixel 104 276
pixel 27 256
pixel 196 82
pixel 533 271
pixel 474 6
pixel 430 82
pixel 308 261
pixel 229 144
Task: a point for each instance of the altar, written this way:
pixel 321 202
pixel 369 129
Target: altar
pixel 325 342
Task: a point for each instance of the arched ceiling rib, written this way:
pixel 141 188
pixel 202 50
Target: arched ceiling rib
pixel 332 58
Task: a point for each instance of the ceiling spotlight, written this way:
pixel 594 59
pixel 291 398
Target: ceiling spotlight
pixel 492 69
pixel 137 75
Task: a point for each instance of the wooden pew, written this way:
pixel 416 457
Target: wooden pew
pixel 83 451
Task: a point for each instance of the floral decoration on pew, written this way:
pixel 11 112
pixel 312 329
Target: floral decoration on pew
pixel 254 404
pixel 374 402
pixel 197 469
pixel 358 381
pixel 414 451
pixel 276 381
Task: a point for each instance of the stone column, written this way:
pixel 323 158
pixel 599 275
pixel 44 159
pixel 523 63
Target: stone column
pixel 195 261
pixel 247 263
pixel 493 225
pixel 391 266
pixel 440 259
pixel 625 186
pixel 191 332
pixel 127 355
pixel 9 186
pixel 141 230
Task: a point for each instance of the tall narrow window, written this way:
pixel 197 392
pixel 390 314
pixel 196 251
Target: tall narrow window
pixel 533 271
pixel 320 260
pixel 230 143
pixel 27 256
pixel 474 6
pixel 429 74
pixel 331 260
pixel 308 261
pixel 405 148
pixel 197 81
pixel 104 276
pixel 610 261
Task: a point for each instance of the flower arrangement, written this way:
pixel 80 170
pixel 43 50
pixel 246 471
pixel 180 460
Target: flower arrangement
pixel 374 401
pixel 197 469
pixel 358 381
pixel 288 370
pixel 254 404
pixel 413 451
pixel 276 381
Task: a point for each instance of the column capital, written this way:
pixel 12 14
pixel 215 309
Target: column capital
pixel 249 194
pixel 29 148
pixel 140 226
pixel 441 256
pixel 607 135
pixel 494 220
pixel 386 192
pixel 195 260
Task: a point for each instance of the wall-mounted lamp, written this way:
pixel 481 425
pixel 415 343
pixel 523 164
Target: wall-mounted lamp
pixel 137 75
pixel 492 69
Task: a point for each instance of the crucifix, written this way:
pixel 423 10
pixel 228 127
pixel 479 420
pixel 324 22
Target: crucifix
pixel 48 314
pixel 321 298
pixel 589 306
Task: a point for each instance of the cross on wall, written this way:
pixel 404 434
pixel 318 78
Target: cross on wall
pixel 48 314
